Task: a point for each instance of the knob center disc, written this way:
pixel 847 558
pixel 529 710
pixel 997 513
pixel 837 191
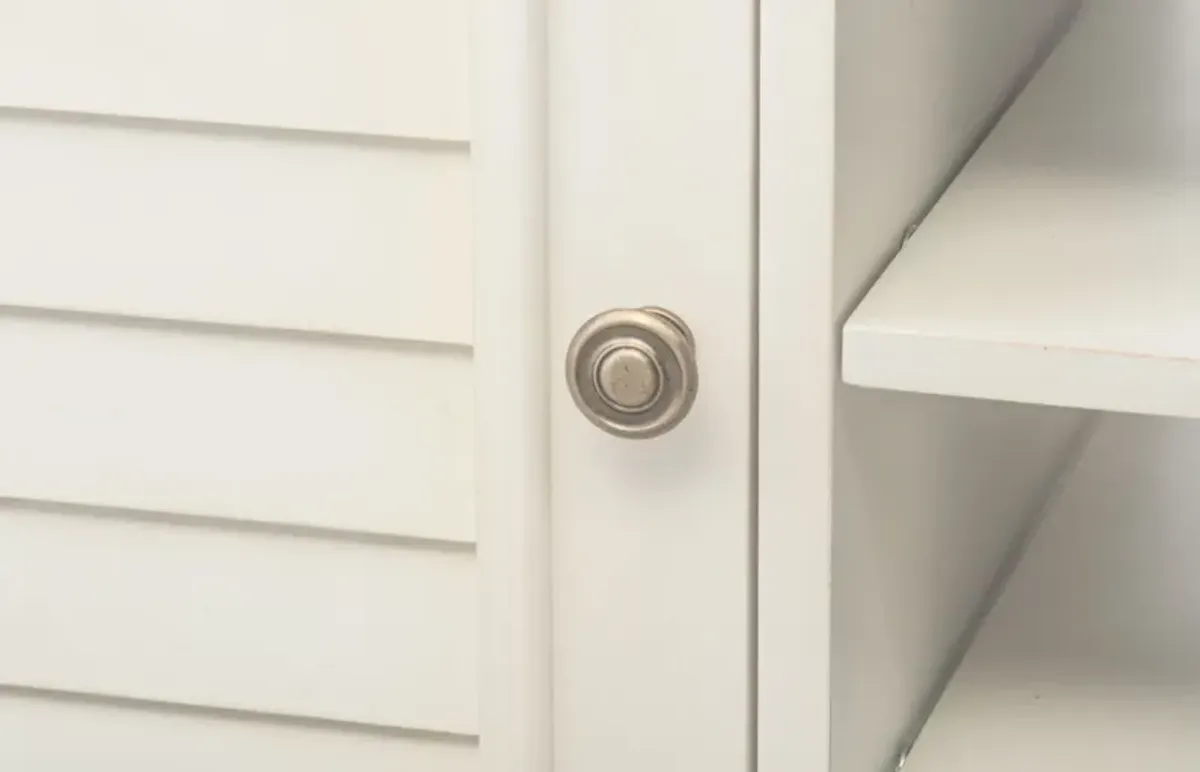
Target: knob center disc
pixel 627 377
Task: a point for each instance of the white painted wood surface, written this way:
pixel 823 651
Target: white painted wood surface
pixel 55 735
pixel 651 177
pixel 388 67
pixel 1059 268
pixel 267 231
pixel 1091 658
pixel 923 496
pixel 237 509
pixel 241 446
pixel 515 369
pixel 795 384
pixel 291 625
pixel 309 433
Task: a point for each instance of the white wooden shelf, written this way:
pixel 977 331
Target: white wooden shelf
pixel 1091 658
pixel 1062 266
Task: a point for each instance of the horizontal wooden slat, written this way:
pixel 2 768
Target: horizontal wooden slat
pixel 269 429
pixel 46 735
pixel 258 622
pixel 272 231
pixel 394 67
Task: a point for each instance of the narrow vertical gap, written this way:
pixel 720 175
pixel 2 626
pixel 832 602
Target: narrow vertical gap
pixel 755 185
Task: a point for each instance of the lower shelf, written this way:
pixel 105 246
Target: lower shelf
pixel 1091 658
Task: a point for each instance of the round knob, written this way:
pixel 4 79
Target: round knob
pixel 632 371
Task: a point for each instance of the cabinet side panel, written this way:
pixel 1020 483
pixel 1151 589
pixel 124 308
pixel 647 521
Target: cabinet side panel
pixel 795 371
pixel 929 494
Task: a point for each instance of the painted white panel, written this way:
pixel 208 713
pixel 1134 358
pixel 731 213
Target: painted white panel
pixel 1060 267
pixel 396 67
pixel 50 735
pixel 1091 659
pixel 651 178
pixel 795 383
pixel 928 494
pixel 512 364
pixel 931 495
pixel 263 622
pixel 279 231
pixel 275 430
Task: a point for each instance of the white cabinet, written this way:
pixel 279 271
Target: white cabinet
pixel 291 476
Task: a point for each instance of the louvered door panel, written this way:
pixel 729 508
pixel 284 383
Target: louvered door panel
pixel 236 414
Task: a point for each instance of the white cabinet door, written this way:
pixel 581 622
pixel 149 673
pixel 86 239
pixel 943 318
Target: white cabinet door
pixel 290 477
pixel 615 145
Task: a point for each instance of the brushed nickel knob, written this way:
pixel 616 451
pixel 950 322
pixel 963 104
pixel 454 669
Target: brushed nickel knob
pixel 632 371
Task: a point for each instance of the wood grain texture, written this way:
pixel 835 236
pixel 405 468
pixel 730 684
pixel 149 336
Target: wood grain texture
pixel 255 622
pixel 260 230
pixel 388 67
pixel 1091 658
pixel 40 734
pixel 264 429
pixel 1059 267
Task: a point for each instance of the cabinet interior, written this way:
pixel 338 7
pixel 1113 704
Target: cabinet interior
pixel 1042 313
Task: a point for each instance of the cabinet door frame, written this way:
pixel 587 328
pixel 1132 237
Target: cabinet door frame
pixel 512 401
pixel 797 355
pixel 631 123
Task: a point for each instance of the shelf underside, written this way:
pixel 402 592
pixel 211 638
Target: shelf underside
pixel 1062 266
pixel 1090 660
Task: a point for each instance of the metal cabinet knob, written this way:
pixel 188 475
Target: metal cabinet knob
pixel 632 371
